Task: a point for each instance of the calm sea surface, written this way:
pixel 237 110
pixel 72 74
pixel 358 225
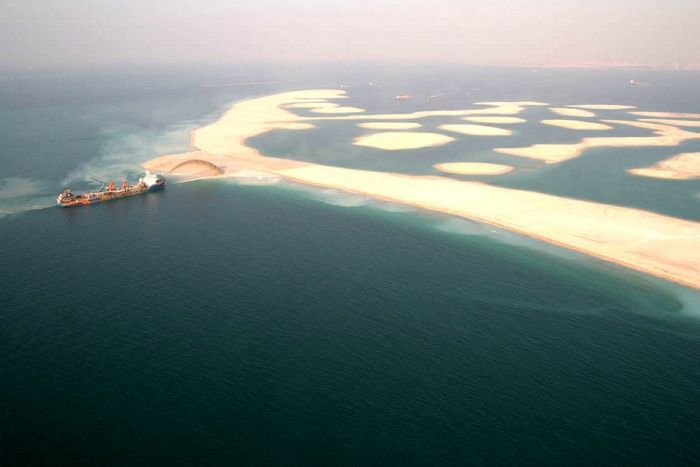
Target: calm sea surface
pixel 222 324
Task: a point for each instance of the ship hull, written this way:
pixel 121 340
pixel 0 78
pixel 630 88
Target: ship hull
pixel 86 199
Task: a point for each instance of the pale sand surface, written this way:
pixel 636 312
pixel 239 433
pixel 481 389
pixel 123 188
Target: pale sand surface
pixel 603 106
pixel 390 125
pixel 680 167
pixel 660 245
pixel 476 130
pixel 506 120
pixel 688 123
pixel 473 168
pixel 577 125
pixel 312 105
pixel 395 141
pixel 665 114
pixel 666 135
pixel 571 112
pixel 337 110
pixel 518 103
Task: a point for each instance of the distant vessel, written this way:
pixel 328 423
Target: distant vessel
pixel 403 97
pixel 146 184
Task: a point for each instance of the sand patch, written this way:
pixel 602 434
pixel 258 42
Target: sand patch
pixel 389 125
pixel 603 106
pixel 395 141
pixel 337 110
pixel 311 105
pixel 473 168
pixel 571 112
pixel 666 135
pixel 665 114
pixel 577 125
pixel 477 130
pixel 681 167
pixel 506 120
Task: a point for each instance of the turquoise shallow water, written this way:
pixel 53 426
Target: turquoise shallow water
pixel 215 323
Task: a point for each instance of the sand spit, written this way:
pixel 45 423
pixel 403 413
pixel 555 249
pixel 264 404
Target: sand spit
pixel 390 125
pixel 688 123
pixel 659 245
pixel 570 112
pixel 476 130
pixel 681 167
pixel 577 125
pixel 473 168
pixel 396 141
pixel 666 135
pixel 603 106
pixel 506 120
pixel 665 114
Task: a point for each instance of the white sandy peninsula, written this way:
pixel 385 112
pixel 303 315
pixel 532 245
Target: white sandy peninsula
pixel 659 245
pixel 680 167
pixel 473 168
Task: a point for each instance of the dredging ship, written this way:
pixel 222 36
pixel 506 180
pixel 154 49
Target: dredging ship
pixel 146 184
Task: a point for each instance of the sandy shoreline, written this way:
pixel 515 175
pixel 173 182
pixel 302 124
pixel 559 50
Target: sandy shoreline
pixel 659 245
pixel 571 112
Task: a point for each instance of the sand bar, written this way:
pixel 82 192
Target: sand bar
pixel 660 245
pixel 571 112
pixel 666 135
pixel 473 168
pixel 477 130
pixel 665 114
pixel 390 125
pixel 396 141
pixel 680 167
pixel 603 106
pixel 506 120
pixel 577 125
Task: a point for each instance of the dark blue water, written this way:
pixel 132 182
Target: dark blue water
pixel 220 324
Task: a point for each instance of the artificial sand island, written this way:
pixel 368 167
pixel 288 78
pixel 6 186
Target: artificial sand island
pixel 665 114
pixel 473 168
pixel 602 106
pixel 577 125
pixel 653 243
pixel 680 167
pixel 396 141
pixel 477 130
pixel 666 135
pixel 506 120
pixel 390 125
pixel 571 112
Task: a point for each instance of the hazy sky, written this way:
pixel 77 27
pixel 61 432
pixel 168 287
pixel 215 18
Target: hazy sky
pixel 103 32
